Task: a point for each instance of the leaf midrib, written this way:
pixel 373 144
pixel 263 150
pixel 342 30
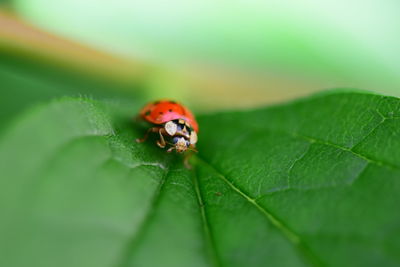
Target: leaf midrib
pixel 289 234
pixel 132 243
pixel 206 224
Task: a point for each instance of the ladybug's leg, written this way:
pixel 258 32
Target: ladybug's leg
pixel 150 130
pixel 193 148
pixel 161 143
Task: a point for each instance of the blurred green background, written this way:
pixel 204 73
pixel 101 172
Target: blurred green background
pixel 211 54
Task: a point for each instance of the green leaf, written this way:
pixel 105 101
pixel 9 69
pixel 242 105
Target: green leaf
pixel 310 183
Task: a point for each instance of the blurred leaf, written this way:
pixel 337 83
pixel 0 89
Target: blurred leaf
pixel 25 81
pixel 314 182
pixel 36 66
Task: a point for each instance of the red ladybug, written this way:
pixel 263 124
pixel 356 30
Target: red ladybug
pixel 174 123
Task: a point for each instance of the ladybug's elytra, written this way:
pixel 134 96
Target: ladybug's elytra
pixel 174 123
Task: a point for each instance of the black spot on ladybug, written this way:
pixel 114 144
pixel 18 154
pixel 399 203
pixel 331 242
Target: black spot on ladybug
pixel 161 112
pixel 170 110
pixel 147 113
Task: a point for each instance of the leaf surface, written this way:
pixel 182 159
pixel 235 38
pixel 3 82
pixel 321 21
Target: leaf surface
pixel 309 183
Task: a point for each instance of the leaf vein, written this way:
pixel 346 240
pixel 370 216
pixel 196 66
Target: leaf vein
pixel 369 133
pixel 350 150
pixel 289 234
pixel 205 222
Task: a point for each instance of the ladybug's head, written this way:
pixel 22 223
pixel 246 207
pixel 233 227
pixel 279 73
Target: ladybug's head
pixel 182 134
pixel 180 144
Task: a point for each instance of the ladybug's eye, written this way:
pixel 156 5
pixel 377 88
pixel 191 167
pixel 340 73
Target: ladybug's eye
pixel 180 127
pixel 175 139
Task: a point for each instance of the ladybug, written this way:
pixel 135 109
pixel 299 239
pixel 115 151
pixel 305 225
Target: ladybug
pixel 174 123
